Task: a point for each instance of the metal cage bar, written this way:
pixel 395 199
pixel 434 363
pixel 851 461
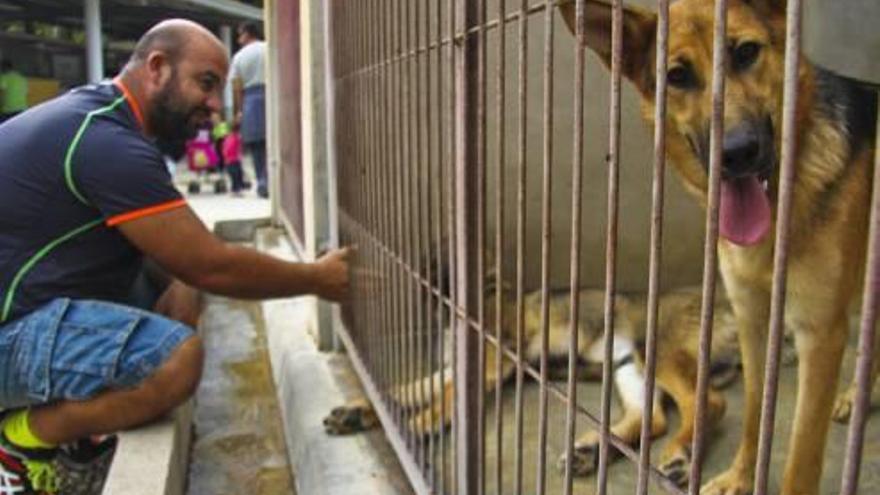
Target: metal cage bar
pixel 710 256
pixel 780 262
pixel 611 240
pixel 655 243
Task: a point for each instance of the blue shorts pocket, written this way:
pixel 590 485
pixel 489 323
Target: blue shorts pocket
pixel 73 350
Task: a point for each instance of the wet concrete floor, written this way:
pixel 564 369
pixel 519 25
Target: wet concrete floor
pixel 238 446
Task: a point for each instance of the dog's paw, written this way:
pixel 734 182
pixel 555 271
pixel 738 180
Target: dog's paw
pixel 425 424
pixel 344 420
pixel 730 482
pixel 584 460
pixel 843 406
pixel 676 466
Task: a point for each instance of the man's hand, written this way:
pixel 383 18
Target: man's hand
pixel 332 275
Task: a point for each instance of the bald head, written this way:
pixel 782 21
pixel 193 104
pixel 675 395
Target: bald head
pixel 174 37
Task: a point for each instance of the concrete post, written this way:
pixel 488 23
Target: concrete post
pixel 94 47
pixel 226 37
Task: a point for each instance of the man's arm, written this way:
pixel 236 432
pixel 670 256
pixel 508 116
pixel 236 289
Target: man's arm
pixel 179 242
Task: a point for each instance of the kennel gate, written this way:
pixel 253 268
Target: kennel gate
pixel 412 92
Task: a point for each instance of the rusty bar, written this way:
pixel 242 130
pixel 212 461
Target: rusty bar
pixel 452 235
pixel 522 77
pixel 356 162
pixel 480 255
pixel 379 89
pixel 441 327
pixel 546 231
pixel 611 240
pixel 387 86
pixel 391 180
pixel 408 226
pixel 575 252
pixel 500 75
pixel 780 254
pixel 400 133
pixel 376 186
pixel 656 243
pixel 467 193
pixel 422 318
pixel 861 406
pixel 423 332
pixel 710 253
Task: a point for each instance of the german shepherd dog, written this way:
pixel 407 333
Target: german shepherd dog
pixel 676 369
pixel 832 191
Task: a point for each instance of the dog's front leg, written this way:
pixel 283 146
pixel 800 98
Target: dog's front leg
pixel 820 348
pixel 751 308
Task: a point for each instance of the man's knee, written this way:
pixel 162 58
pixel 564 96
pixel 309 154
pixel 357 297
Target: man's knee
pixel 178 378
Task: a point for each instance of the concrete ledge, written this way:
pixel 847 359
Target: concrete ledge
pixel 309 384
pixel 152 460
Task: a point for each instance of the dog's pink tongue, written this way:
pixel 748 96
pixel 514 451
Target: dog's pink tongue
pixel 745 211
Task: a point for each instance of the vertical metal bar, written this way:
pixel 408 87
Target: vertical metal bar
pixel 522 137
pixel 546 230
pixel 780 253
pixel 467 192
pixel 402 298
pixel 407 251
pixel 500 74
pixel 422 332
pixel 441 360
pixel 390 184
pixel 374 186
pixel 856 433
pixel 575 270
pixel 656 242
pixel 480 258
pixel 611 240
pixel 710 252
pixel 363 197
pixel 451 220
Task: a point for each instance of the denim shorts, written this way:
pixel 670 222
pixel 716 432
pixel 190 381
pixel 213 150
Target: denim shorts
pixel 75 349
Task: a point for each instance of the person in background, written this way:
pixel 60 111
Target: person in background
pixel 13 91
pixel 247 74
pixel 231 151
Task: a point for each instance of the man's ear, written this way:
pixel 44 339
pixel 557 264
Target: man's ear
pixel 158 67
pixel 639 34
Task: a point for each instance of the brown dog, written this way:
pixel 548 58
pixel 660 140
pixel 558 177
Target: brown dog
pixel 676 370
pixel 834 163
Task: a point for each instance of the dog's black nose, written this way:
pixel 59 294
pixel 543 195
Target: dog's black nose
pixel 741 150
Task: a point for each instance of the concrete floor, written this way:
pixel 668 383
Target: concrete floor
pixel 238 446
pixel 623 473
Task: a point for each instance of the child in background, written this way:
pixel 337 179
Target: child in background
pixel 232 158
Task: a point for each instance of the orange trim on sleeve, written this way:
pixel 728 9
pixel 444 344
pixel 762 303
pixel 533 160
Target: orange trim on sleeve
pixel 135 107
pixel 144 212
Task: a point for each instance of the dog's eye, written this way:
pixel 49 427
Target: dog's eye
pixel 744 55
pixel 681 77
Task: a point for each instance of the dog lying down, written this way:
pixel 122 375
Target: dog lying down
pixel 678 330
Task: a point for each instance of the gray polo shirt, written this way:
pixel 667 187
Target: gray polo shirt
pixel 248 64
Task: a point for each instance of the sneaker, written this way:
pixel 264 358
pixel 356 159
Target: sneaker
pixel 82 466
pixel 26 471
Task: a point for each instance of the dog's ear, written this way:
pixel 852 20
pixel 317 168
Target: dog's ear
pixel 639 34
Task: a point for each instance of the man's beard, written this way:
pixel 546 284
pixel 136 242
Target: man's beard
pixel 171 118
